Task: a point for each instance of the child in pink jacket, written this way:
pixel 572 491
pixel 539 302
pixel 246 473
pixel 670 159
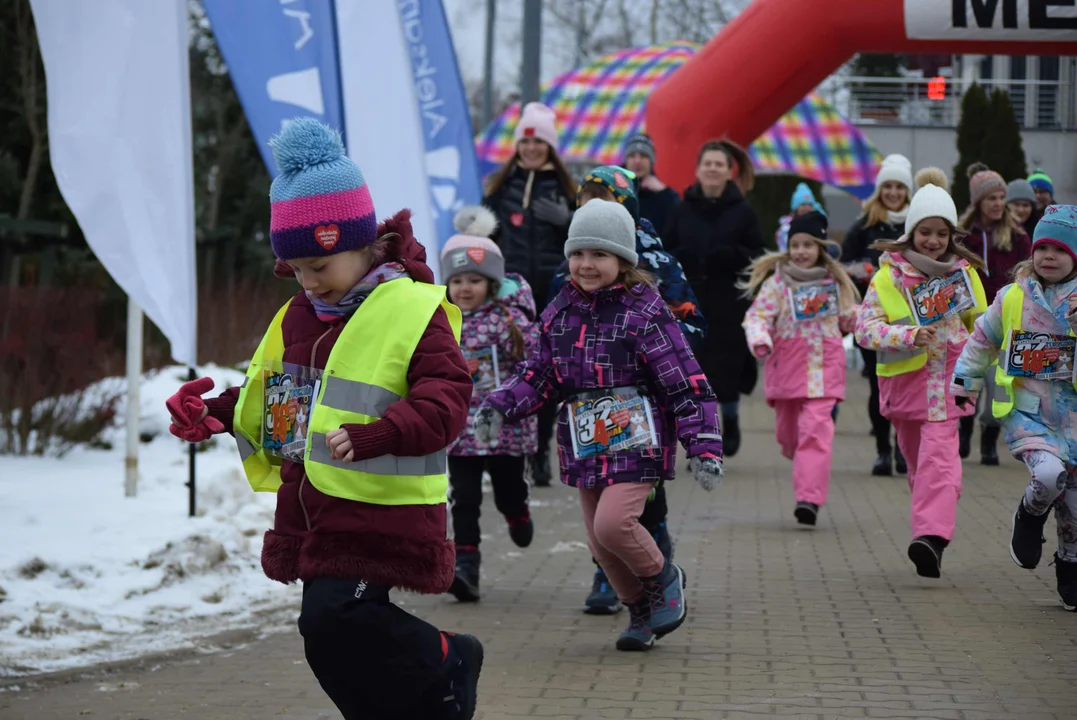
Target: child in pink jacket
pixel 796 322
pixel 917 314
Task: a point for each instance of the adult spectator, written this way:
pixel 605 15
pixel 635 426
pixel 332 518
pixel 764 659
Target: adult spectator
pixel 532 196
pixel 1021 202
pixel 883 219
pixel 656 199
pixel 715 235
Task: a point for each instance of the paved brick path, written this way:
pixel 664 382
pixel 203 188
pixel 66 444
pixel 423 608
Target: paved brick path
pixel 830 623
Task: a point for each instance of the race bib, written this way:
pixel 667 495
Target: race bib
pixel 289 401
pixel 818 300
pixel 941 297
pixel 482 364
pixel 1042 356
pixel 611 420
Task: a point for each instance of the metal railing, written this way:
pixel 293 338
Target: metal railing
pixel 1037 104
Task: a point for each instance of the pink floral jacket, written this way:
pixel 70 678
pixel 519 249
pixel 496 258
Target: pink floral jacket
pixel 806 358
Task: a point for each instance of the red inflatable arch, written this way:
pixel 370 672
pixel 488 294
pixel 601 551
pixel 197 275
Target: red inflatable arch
pixel 776 51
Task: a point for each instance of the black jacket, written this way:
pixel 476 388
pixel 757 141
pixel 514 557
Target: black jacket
pixel 532 247
pixel 715 240
pixel 658 206
pixel 858 240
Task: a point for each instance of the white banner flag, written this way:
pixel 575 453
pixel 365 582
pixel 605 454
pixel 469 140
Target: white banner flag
pixel 1006 20
pixel 120 142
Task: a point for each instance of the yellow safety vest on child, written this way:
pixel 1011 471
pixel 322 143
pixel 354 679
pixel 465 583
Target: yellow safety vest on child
pixel 898 312
pixel 365 374
pixel 1013 305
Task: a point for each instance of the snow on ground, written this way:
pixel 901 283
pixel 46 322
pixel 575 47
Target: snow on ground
pixel 88 575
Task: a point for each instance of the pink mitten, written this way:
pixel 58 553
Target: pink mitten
pixel 186 408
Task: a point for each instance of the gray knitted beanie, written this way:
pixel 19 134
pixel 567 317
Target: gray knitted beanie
pixel 603 225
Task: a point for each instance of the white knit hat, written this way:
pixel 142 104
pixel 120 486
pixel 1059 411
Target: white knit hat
pixel 931 201
pixel 896 168
pixel 603 225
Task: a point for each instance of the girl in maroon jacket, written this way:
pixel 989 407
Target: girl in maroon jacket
pixel 371 657
pixel 1000 241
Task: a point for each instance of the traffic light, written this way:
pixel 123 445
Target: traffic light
pixel 936 88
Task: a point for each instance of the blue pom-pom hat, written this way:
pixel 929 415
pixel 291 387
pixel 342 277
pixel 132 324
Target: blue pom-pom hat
pixel 319 203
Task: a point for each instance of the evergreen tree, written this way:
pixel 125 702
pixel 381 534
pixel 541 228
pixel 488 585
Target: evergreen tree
pixel 971 131
pixel 1002 150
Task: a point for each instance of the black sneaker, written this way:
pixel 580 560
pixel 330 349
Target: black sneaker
pixel 806 513
pixel 900 467
pixel 730 435
pixel 964 435
pixel 926 554
pixel 465 582
pixel 603 599
pixel 521 530
pixel 664 541
pixel 1026 537
pixel 540 469
pixel 1066 576
pixel 462 682
pixel 883 466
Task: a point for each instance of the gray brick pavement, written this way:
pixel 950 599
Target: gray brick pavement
pixel 784 621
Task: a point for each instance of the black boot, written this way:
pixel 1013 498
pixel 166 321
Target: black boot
pixel 1026 537
pixel 964 435
pixel 926 554
pixel 883 466
pixel 521 530
pixel 988 441
pixel 730 435
pixel 899 461
pixel 459 694
pixel 540 468
pixel 1066 576
pixel 806 513
pixel 465 582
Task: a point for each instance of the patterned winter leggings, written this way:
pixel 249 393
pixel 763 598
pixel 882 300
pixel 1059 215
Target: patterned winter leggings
pixel 1052 480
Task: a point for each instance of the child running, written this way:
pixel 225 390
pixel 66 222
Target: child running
pixel 613 353
pixel 806 302
pixel 371 347
pixel 1030 328
pixel 499 331
pixel 616 184
pixel 917 314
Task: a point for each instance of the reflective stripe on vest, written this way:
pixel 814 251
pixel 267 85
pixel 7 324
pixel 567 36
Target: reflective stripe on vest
pixel 1013 308
pixel 895 362
pixel 365 374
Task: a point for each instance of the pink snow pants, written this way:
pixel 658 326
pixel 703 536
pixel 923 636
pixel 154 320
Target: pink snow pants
pixel 624 549
pixel 805 431
pixel 930 450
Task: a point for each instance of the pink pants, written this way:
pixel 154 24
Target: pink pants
pixel 624 549
pixel 805 431
pixel 930 450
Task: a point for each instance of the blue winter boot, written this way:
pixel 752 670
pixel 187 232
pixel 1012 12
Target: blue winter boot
pixel 665 594
pixel 603 598
pixel 638 636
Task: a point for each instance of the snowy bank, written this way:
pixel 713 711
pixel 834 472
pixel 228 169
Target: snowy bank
pixel 87 575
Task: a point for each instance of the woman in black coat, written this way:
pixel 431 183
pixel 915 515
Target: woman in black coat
pixel 715 235
pixel 532 196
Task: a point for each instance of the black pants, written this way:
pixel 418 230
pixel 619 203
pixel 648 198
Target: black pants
pixel 879 424
pixel 465 476
pixel 547 423
pixel 374 660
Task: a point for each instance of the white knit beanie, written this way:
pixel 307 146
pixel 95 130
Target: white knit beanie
pixel 931 201
pixel 896 168
pixel 603 225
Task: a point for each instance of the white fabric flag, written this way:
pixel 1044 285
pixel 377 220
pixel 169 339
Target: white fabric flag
pixel 120 140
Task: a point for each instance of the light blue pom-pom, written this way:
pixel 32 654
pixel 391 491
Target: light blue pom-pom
pixel 305 143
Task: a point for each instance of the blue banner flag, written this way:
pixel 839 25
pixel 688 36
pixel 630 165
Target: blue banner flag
pixel 282 56
pixel 451 165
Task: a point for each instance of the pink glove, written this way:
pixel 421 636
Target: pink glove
pixel 761 351
pixel 189 419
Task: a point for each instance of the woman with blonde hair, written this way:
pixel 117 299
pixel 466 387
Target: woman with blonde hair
pixel 1000 242
pixel 883 219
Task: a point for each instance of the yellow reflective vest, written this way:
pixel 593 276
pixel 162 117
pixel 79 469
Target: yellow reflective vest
pixel 365 374
pixel 898 312
pixel 1013 306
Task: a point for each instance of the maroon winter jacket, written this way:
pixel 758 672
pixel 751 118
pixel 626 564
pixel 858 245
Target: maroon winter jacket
pixel 317 535
pixel 1000 263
